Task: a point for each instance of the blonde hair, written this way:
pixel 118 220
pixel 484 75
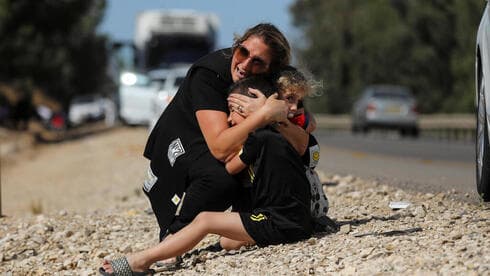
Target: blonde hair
pixel 292 79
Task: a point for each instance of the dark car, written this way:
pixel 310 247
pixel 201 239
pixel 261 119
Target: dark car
pixel 386 106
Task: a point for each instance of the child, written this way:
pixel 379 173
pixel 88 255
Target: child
pixel 289 80
pixel 279 207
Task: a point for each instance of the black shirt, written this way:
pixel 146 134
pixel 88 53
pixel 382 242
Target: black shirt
pixel 278 181
pixel 177 142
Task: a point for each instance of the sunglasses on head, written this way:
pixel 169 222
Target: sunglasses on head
pixel 244 53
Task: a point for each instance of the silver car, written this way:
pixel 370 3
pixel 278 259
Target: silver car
pixel 482 95
pixel 386 106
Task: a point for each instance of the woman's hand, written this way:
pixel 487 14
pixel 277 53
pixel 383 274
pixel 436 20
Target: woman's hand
pixel 246 105
pixel 275 111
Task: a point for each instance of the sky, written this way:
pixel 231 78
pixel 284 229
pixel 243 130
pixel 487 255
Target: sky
pixel 234 16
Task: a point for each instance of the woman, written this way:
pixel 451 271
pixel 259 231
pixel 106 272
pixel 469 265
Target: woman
pixel 278 194
pixel 192 137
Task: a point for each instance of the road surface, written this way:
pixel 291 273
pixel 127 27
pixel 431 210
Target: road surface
pixel 415 164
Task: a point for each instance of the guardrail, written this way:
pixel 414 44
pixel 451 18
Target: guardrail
pixel 439 126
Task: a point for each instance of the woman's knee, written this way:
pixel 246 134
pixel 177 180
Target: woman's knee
pixel 212 189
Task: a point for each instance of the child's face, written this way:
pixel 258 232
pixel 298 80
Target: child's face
pixel 292 98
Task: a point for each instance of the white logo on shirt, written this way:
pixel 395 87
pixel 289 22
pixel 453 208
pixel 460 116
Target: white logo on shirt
pixel 175 149
pixel 176 199
pixel 150 180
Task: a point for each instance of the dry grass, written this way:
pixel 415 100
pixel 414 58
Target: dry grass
pixel 36 207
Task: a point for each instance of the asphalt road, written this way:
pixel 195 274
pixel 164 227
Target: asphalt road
pixel 424 165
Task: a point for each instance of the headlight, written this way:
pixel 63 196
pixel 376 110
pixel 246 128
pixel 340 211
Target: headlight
pixel 128 79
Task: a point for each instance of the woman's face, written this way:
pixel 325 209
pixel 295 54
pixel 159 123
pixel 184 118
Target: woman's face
pixel 251 57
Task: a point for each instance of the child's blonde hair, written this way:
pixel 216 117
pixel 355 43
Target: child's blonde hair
pixel 291 78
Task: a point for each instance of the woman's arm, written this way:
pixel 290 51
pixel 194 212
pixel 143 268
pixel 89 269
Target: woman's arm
pixel 294 134
pixel 223 140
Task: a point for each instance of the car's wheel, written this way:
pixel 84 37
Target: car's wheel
pixel 364 129
pixel 354 129
pixel 404 131
pixel 414 132
pixel 482 149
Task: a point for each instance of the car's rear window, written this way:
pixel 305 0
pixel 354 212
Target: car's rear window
pixel 392 94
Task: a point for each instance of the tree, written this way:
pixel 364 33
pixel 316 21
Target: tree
pixel 52 45
pixel 420 44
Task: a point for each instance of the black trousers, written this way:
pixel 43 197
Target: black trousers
pixel 209 188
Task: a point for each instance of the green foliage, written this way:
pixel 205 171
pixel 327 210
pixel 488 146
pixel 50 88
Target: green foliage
pixel 52 45
pixel 427 45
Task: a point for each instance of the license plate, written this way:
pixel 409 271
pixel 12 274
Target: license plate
pixel 393 109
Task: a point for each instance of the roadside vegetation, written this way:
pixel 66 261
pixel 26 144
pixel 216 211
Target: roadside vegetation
pixel 51 52
pixel 428 46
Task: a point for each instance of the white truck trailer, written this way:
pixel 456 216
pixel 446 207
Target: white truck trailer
pixel 165 37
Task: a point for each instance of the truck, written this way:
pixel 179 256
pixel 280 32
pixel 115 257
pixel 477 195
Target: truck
pixel 166 37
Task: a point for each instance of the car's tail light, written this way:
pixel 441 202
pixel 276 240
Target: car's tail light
pixel 57 121
pixel 371 107
pixel 415 108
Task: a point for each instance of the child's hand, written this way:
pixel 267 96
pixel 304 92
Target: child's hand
pixel 246 105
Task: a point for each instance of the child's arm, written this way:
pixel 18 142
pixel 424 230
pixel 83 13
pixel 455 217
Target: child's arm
pixel 235 165
pixel 295 135
pixel 245 157
pixel 305 120
pixel 312 122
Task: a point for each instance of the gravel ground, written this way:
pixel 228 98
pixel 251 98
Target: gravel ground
pixel 434 235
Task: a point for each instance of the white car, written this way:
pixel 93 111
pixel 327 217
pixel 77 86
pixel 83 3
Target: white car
pixel 89 108
pixel 168 81
pixel 483 109
pixel 136 93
